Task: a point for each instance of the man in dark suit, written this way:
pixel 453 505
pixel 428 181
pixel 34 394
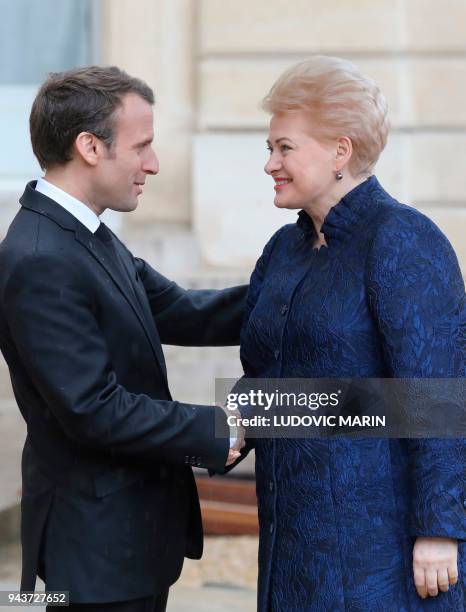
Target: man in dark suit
pixel 109 506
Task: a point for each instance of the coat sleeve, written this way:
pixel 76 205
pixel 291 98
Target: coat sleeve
pixel 416 294
pixel 52 319
pixel 195 317
pixel 255 287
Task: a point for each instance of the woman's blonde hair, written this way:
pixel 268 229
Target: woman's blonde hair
pixel 340 101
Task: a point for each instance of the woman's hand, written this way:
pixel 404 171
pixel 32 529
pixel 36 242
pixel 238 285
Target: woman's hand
pixel 435 565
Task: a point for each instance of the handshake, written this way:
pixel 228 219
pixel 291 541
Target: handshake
pixel 237 435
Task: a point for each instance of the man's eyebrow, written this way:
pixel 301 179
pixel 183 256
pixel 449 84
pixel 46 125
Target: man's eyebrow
pixel 145 142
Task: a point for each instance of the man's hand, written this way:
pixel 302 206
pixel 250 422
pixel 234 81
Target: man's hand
pixel 233 455
pixel 435 565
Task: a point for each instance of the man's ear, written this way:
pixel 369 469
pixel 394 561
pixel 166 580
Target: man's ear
pixel 343 152
pixel 89 147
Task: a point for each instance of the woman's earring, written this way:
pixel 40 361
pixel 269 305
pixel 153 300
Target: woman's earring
pixel 339 176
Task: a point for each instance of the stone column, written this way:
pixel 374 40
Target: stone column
pixel 153 40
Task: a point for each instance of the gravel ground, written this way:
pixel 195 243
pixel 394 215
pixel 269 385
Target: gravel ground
pixel 226 560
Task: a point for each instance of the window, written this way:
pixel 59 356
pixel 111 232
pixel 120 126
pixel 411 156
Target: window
pixel 36 38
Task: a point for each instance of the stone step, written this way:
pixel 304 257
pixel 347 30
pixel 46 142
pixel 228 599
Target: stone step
pixel 213 597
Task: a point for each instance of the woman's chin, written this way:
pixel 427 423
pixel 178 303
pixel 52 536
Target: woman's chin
pixel 278 203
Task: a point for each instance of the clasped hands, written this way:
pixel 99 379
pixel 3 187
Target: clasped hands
pixel 435 565
pixel 237 434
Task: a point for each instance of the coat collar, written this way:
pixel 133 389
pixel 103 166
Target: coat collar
pixel 42 204
pixel 343 218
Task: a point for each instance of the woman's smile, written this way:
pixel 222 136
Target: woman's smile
pixel 281 183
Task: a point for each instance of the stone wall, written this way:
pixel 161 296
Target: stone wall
pixel 414 49
pixel 211 61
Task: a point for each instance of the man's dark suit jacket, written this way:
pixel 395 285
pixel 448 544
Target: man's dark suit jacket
pixel 110 506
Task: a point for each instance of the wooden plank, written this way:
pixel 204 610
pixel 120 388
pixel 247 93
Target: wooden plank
pixel 227 490
pixel 220 518
pixel 228 506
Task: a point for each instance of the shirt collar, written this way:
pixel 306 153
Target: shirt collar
pixel 78 209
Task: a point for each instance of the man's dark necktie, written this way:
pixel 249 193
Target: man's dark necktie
pixel 105 236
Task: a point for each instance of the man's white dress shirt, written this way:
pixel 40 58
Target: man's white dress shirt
pixel 76 208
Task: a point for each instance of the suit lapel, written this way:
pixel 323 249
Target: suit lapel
pixel 125 285
pixel 142 302
pixel 43 205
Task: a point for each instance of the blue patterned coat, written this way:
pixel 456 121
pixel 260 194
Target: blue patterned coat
pixel 338 517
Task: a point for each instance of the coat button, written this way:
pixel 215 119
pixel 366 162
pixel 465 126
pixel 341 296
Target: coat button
pixel 284 309
pixel 276 353
pixel 271 485
pixel 464 502
pixel 271 527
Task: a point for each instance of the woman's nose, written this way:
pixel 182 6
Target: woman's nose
pixel 272 165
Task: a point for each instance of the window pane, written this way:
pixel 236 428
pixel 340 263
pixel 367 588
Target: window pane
pixel 36 37
pixel 41 37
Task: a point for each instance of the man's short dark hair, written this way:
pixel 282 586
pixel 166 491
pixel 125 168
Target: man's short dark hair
pixel 79 100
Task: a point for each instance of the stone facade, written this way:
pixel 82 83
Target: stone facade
pixel 210 62
pixel 206 217
pixel 415 50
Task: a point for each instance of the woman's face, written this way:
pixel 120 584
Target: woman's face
pixel 302 167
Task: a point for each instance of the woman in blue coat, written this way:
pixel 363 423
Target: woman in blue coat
pixel 361 286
